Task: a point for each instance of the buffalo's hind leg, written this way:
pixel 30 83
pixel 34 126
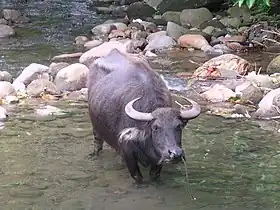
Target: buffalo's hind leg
pixel 97 145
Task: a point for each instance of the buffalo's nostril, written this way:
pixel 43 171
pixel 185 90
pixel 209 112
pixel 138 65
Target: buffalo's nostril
pixel 175 153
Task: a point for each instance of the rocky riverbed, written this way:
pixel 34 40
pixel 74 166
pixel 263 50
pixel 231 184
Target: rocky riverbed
pixel 227 61
pixel 225 80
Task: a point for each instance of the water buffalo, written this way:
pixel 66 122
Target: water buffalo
pixel 131 110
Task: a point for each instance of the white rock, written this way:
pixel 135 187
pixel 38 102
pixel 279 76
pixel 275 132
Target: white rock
pixel 150 54
pixel 19 86
pixel 11 100
pixel 5 76
pixel 6 89
pixel 103 50
pixel 268 106
pixel 30 73
pixel 218 93
pixel 261 80
pixel 3 114
pixel 72 77
pixel 49 111
pixel 91 44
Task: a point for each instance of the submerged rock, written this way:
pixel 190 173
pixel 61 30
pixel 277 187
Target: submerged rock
pixel 49 111
pixel 5 76
pixel 14 16
pixel 6 31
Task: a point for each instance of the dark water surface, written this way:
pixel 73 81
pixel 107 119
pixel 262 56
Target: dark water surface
pixel 232 164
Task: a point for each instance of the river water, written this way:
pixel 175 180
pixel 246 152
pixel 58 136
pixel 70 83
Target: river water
pixel 232 164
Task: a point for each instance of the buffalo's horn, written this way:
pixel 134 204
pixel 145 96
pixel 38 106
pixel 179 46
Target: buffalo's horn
pixel 131 112
pixel 193 112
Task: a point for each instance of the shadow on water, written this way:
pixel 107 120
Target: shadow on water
pixel 231 165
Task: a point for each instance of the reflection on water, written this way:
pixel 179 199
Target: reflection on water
pixel 231 165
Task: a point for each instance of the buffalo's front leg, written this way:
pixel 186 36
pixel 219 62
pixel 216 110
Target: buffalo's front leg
pixel 97 145
pixel 133 168
pixel 155 172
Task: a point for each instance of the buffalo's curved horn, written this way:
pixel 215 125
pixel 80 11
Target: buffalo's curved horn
pixel 191 113
pixel 131 112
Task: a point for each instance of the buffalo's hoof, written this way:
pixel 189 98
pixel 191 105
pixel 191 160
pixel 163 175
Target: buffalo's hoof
pixel 140 184
pixel 156 179
pixel 93 156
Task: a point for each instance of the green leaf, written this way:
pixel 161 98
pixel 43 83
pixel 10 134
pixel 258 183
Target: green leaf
pixel 267 2
pixel 240 2
pixel 250 3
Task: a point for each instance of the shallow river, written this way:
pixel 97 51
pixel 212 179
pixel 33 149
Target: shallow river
pixel 232 164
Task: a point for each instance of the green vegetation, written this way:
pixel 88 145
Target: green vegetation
pixel 261 4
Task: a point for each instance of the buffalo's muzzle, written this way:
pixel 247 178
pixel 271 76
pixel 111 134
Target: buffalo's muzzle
pixel 176 153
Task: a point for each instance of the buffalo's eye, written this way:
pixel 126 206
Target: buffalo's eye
pixel 155 128
pixel 179 127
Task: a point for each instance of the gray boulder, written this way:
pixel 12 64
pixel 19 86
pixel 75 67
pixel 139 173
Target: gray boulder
pixel 106 28
pixel 178 5
pixel 156 34
pixel 175 31
pixel 195 17
pixel 162 42
pixel 231 22
pixel 172 16
pixel 140 10
pixel 274 66
pixel 5 76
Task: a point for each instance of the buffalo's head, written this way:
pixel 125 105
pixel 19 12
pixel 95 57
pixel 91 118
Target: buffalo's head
pixel 166 128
